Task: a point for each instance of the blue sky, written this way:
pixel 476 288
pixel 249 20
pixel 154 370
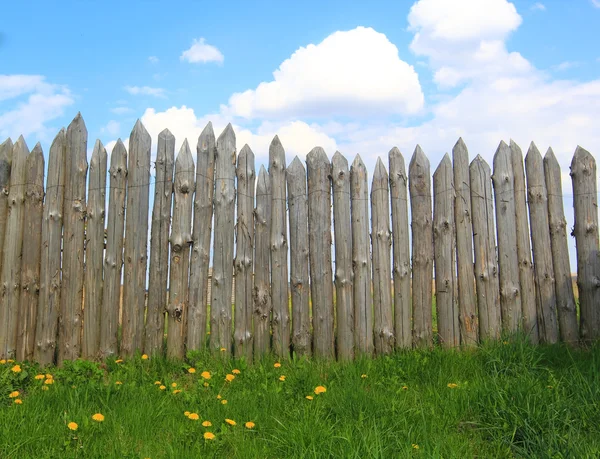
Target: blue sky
pixel 360 77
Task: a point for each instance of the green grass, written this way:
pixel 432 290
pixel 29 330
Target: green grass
pixel 512 400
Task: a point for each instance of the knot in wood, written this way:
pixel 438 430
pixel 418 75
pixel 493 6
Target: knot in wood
pixel 590 228
pixel 185 188
pixel 178 313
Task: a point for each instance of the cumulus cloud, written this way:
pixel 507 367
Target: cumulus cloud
pixel 112 128
pixel 145 91
pixel 200 53
pixel 36 103
pixel 538 7
pixel 350 73
pixel 153 60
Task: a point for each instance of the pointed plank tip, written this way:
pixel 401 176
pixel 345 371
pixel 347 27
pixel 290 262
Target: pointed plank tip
pixel 317 155
pixel 166 134
pixel 419 158
pixel 296 166
pixel 380 170
pixel 37 150
pixel 227 134
pixel 339 161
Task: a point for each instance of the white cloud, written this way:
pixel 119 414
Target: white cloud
pixel 154 59
pixel 112 128
pixel 146 91
pixel 44 102
pixel 121 110
pixel 596 3
pixel 537 6
pixel 201 52
pixel 566 65
pixel 350 73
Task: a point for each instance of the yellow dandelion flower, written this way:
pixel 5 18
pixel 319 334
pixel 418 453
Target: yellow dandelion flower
pixel 223 402
pixel 174 384
pixel 72 425
pixel 249 425
pixel 363 376
pixel 16 368
pixel 49 381
pixel 207 423
pixel 282 378
pixel 40 376
pixel 118 383
pixel 206 384
pixel 191 370
pixel 309 397
pixel 229 377
pixel 222 349
pixel 98 417
pixel 205 374
pixel 2 362
pixel 218 396
pixel 119 361
pixel 186 413
pixel 231 422
pixel 144 356
pixel 415 446
pixel 49 376
pixel 277 365
pixel 14 394
pixel 209 436
pixel 18 401
pixel 157 383
pixel 161 387
pixel 320 390
pixel 176 391
pixel 452 385
pixel 194 416
pixel 10 361
pixel 236 371
pixel 44 387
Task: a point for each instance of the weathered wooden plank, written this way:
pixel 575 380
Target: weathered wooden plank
pixel 94 253
pixel 381 240
pixel 50 272
pixel 422 247
pixel 444 249
pixel 181 239
pixel 71 296
pixel 159 244
pixel 222 280
pixel 401 250
pixel 113 261
pixel 537 196
pixel 526 274
pixel 11 255
pixel 6 148
pixel 243 254
pixel 585 203
pixel 31 253
pixel 508 261
pixel 565 300
pixel 262 259
pixel 136 240
pixel 361 259
pixel 484 246
pixel 298 216
pixel 279 249
pixel 319 241
pixel 467 303
pixel 340 177
pixel 206 151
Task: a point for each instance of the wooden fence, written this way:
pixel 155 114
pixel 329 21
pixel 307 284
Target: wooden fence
pixel 498 270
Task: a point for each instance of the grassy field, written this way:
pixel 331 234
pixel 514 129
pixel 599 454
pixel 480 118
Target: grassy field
pixel 501 400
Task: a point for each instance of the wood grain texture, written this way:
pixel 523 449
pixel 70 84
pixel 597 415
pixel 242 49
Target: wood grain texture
pixel 159 244
pixel 51 256
pixel 484 247
pixel 381 240
pixel 422 247
pixel 344 302
pixel 113 260
pixel 6 148
pixel 467 302
pixel 298 216
pixel 244 257
pixel 71 298
pixel 565 299
pixel 319 241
